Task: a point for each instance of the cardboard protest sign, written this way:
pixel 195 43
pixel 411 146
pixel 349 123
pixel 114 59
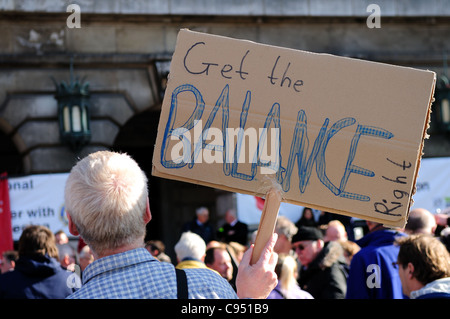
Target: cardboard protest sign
pixel 337 134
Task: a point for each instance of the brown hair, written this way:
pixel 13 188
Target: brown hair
pixel 427 254
pixel 37 239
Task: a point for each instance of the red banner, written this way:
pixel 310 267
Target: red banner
pixel 6 241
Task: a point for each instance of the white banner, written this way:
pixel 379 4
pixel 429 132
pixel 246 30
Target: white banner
pixel 433 194
pixel 433 185
pixel 38 200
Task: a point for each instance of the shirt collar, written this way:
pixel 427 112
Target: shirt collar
pixel 112 262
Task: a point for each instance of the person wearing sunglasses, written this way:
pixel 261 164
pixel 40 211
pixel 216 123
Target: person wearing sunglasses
pixel 323 269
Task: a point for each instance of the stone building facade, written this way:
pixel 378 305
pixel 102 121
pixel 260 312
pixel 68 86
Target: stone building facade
pixel 123 48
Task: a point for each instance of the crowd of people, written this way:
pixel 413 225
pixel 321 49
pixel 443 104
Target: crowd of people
pixel 318 257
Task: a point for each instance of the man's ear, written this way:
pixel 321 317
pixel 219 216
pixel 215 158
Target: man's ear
pixel 72 227
pixel 148 213
pixel 410 270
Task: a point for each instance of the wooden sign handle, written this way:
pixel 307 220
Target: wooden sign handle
pixel 267 223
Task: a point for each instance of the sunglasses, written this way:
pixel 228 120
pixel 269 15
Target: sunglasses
pixel 301 246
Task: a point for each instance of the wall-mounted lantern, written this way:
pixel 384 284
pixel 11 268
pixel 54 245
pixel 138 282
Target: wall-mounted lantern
pixel 73 111
pixel 162 72
pixel 442 104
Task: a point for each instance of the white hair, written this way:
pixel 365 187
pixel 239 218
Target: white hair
pixel 106 197
pixel 190 245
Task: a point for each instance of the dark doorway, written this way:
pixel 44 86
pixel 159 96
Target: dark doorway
pixel 10 159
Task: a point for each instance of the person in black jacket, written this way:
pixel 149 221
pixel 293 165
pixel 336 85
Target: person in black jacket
pixel 323 271
pixel 233 229
pixel 201 225
pixel 38 274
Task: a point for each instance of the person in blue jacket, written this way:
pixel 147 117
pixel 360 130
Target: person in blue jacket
pixel 372 273
pixel 38 273
pixel 424 267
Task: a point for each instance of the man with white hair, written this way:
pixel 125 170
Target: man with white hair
pixel 107 204
pixel 285 229
pixel 201 225
pixel 190 250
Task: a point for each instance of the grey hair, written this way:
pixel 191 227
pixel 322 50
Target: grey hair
pixel 190 245
pixel 106 197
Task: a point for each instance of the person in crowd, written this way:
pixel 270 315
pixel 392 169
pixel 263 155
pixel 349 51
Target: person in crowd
pixel 233 230
pixel 215 243
pixel 86 257
pixel 347 221
pixel 38 274
pixel 107 203
pixel 335 230
pixel 287 287
pixel 236 250
pixel 371 274
pixel 8 261
pixel 307 218
pixel 285 229
pixel 323 268
pixel 157 249
pixel 442 230
pixel 80 244
pixel 444 237
pixel 442 219
pixel 350 249
pixel 218 259
pixel 67 256
pixel 423 267
pixel 201 225
pixel 61 238
pixel 420 221
pixel 190 250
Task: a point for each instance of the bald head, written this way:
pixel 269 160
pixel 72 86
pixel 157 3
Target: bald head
pixel 420 221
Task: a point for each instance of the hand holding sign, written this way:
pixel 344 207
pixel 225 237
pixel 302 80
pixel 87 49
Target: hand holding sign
pixel 259 279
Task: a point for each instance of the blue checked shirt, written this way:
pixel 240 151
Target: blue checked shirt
pixel 136 274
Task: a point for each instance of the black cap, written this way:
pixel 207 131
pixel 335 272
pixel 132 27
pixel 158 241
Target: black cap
pixel 307 233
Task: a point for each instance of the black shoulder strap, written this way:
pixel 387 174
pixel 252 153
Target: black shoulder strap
pixel 182 287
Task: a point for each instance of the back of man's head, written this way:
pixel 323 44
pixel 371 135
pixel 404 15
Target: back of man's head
pixel 37 240
pixel 420 221
pixel 427 254
pixel 106 197
pixel 284 226
pixel 190 245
